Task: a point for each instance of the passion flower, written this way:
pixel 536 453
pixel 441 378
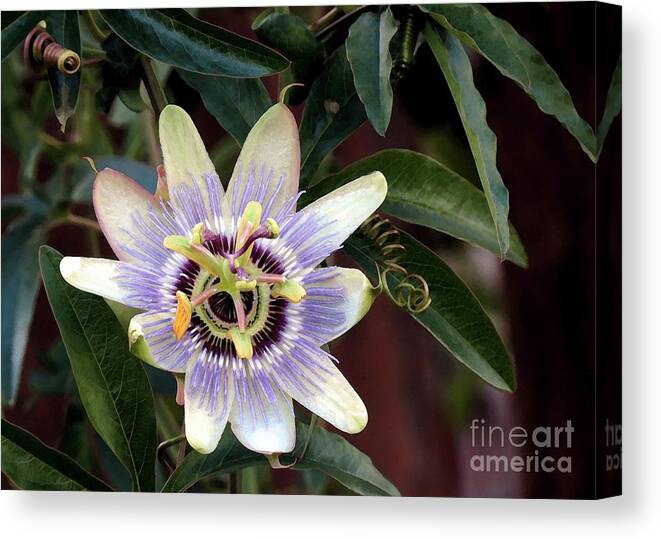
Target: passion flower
pixel 228 283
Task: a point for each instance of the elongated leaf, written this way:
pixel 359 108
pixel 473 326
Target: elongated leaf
pixel 31 465
pixel 63 26
pixel 15 26
pixel 368 51
pixel 20 284
pixel 236 103
pixel 613 105
pixel 425 192
pixel 290 35
pixel 333 455
pixel 516 58
pixel 179 39
pixel 112 383
pixel 326 452
pixel 456 67
pixel 332 112
pixel 455 317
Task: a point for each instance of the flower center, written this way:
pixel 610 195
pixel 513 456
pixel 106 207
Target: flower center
pixel 230 293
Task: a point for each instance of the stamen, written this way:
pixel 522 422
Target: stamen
pixel 242 343
pixel 270 278
pixel 290 290
pixel 183 315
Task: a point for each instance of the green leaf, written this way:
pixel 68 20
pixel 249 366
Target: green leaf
pixel 368 52
pixel 425 192
pixel 15 27
pixel 333 455
pixel 235 103
pixel 63 26
pixel 456 67
pixel 266 12
pixel 290 35
pixel 332 112
pixel 326 452
pixel 113 386
pixel 31 465
pixel 179 39
pixel 20 284
pixel 613 105
pixel 455 317
pixel 516 58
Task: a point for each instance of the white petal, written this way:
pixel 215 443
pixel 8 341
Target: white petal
pixel 356 297
pixel 319 229
pixel 323 389
pixel 116 199
pixel 209 392
pixel 94 275
pixel 348 206
pixel 263 420
pixel 152 340
pixel 185 158
pixel 272 152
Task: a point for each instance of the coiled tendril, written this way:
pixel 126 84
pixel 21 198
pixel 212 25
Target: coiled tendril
pixel 412 292
pixel 41 49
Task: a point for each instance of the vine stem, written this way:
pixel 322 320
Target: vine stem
pixel 149 127
pixel 181 453
pixel 160 450
pixel 154 89
pixel 76 220
pixel 324 20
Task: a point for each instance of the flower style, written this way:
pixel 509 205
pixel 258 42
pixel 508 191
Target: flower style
pixel 228 283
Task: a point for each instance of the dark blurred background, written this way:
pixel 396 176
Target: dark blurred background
pixel 420 400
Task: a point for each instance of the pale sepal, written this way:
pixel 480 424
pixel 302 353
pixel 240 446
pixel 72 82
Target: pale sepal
pixel 93 275
pixel 348 206
pixel 117 199
pixel 272 152
pixel 185 158
pixel 328 394
pixel 272 428
pixel 204 427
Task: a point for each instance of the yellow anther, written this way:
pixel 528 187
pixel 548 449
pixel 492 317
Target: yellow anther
pixel 183 315
pixel 242 342
pixel 290 290
pixel 273 228
pixel 198 232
